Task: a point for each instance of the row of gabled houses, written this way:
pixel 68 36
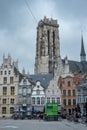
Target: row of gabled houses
pixel 22 92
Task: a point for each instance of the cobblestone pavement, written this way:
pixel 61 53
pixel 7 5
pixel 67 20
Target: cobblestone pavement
pixel 40 125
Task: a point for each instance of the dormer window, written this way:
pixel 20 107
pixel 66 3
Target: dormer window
pixel 38 86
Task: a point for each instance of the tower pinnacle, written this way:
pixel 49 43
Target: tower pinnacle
pixel 82 54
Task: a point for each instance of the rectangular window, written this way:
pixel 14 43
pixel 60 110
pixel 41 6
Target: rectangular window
pixel 9 72
pixel 5 72
pixel 12 100
pixel 74 93
pixel 48 99
pixel 38 100
pixel 69 92
pixel 33 100
pixel 74 101
pixel 12 90
pixel 11 80
pixel 4 91
pixel 69 101
pixel 53 100
pixel 64 92
pixel 24 100
pixel 58 100
pixel 11 110
pixel 3 110
pixel 64 102
pixel 4 80
pixel 4 101
pixel 38 92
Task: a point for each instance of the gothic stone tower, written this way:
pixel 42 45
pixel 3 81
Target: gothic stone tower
pixel 47 46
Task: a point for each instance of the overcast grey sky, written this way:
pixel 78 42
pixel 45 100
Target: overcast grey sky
pixel 18 28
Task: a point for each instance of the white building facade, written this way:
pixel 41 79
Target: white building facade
pixel 53 94
pixel 38 97
pixel 9 78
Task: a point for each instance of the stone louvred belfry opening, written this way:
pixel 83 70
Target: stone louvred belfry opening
pixel 47 46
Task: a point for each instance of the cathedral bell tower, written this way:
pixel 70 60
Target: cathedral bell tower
pixel 47 46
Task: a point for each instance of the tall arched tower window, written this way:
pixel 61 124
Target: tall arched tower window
pixel 48 38
pixel 53 43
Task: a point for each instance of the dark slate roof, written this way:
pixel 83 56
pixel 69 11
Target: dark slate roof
pixel 75 66
pixel 43 78
pixel 80 67
pixel 16 72
pixel 83 84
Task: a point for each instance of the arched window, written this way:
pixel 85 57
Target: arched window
pixel 54 43
pixel 48 38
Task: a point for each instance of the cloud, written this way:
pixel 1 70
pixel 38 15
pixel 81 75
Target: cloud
pixel 18 28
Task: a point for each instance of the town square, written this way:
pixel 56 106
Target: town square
pixel 43 65
pixel 39 124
